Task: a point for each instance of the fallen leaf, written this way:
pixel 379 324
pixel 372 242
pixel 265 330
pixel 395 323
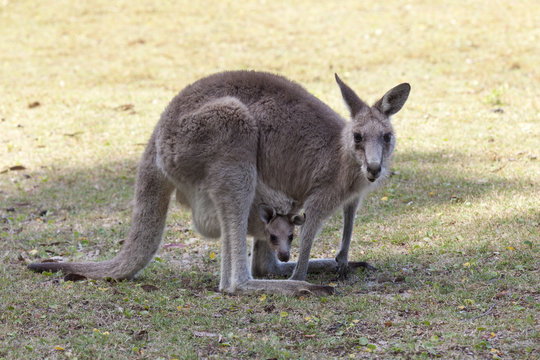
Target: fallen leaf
pixel 149 288
pixel 73 134
pixel 52 243
pixel 204 334
pixel 17 167
pixel 174 245
pixel 74 277
pixel 59 348
pixel 138 41
pixel 124 107
pixel 140 335
pixel 221 341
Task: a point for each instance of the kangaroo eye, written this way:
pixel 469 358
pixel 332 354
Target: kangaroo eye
pixel 387 137
pixel 357 138
pixel 291 238
pixel 273 239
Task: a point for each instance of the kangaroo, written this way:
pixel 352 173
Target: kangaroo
pixel 221 136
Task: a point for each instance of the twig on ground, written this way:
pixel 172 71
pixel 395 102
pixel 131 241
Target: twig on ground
pixel 484 314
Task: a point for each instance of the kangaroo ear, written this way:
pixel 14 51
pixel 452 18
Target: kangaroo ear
pixel 393 100
pixel 352 100
pixel 297 220
pixel 267 213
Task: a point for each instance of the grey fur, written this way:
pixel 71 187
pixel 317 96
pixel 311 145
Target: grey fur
pixel 226 134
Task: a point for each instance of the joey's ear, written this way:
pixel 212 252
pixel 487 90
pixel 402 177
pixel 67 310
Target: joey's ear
pixel 295 206
pixel 352 100
pixel 267 213
pixel 297 219
pixel 394 99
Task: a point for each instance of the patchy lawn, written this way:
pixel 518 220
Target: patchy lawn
pixel 454 233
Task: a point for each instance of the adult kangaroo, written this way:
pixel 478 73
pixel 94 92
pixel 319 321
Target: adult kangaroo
pixel 221 136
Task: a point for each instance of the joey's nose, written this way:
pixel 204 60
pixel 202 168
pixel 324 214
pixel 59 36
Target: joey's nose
pixel 374 170
pixel 283 256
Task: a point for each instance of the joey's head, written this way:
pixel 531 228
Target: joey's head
pixel 279 230
pixel 369 136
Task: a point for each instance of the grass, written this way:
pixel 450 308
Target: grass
pixel 454 232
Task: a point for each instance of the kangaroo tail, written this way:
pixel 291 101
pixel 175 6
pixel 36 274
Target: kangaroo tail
pixel 92 270
pixel 152 196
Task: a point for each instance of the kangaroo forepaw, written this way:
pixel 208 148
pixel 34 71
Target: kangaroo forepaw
pixel 282 287
pixel 318 290
pixel 361 264
pixel 343 269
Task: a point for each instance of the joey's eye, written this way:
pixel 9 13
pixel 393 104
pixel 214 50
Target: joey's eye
pixel 273 239
pixel 291 238
pixel 357 138
pixel 387 138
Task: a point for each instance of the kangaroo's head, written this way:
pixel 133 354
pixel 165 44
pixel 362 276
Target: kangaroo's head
pixel 369 135
pixel 279 230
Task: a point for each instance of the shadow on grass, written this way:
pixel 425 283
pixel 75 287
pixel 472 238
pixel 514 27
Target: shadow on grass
pixel 88 197
pixel 96 187
pixel 430 280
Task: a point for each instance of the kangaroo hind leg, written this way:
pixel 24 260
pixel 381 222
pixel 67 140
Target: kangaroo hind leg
pixel 232 192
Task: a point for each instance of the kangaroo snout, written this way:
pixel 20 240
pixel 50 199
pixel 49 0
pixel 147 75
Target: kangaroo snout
pixel 374 171
pixel 283 256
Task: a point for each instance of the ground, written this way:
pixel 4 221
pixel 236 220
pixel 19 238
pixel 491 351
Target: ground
pixel 454 233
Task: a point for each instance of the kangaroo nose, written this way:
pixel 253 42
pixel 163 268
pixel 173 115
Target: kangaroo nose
pixel 374 170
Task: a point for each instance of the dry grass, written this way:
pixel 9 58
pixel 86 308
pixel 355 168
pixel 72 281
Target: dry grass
pixel 454 233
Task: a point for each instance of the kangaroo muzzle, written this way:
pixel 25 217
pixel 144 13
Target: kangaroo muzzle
pixel 373 171
pixel 283 256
